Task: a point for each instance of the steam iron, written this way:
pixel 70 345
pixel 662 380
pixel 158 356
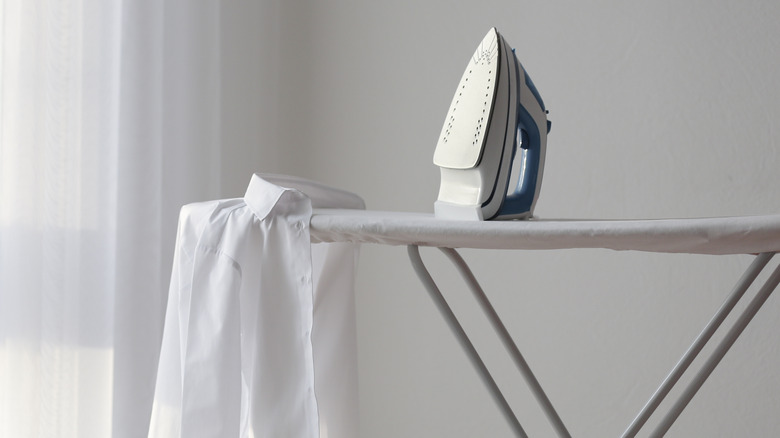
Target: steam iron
pixel 492 145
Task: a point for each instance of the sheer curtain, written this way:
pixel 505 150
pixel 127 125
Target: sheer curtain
pixel 109 122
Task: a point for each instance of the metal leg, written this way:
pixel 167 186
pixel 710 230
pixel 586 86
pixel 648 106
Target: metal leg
pixel 671 380
pixel 460 334
pixel 721 350
pixel 508 342
pixel 674 376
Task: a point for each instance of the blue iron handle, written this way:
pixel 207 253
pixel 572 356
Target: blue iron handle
pixel 519 200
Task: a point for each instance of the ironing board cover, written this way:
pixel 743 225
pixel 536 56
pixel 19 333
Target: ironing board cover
pixel 719 235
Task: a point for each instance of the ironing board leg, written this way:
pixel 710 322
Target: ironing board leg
pixel 682 365
pixel 720 351
pixel 506 339
pixel 460 334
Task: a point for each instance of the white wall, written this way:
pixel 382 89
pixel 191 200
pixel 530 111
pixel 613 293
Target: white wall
pixel 659 109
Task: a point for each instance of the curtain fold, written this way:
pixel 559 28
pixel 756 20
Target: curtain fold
pixel 109 122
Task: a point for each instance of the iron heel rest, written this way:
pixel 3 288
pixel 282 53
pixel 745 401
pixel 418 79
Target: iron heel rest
pixel 495 109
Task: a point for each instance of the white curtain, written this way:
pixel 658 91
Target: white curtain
pixel 109 122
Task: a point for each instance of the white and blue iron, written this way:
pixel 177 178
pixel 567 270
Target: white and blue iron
pixel 495 110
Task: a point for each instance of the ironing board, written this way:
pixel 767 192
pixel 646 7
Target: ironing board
pixel 758 235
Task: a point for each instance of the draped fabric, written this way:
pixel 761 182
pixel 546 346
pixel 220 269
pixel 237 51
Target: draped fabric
pixel 259 334
pixel 109 122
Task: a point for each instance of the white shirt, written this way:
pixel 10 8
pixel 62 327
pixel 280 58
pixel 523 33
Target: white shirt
pixel 257 341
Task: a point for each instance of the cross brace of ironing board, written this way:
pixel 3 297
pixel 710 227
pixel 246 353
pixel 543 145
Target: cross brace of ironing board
pixel 536 389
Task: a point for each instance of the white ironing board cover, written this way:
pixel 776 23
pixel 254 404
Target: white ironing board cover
pixel 717 235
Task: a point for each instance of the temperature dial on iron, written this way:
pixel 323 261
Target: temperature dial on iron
pixel 492 146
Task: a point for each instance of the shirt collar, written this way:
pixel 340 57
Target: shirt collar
pixel 261 196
